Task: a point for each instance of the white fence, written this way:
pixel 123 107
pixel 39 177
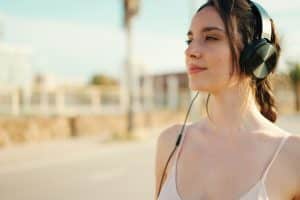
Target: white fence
pixel 89 100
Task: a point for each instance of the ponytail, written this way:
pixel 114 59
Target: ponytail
pixel 265 98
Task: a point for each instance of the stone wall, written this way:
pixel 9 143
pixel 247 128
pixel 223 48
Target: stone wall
pixel 16 130
pixel 20 130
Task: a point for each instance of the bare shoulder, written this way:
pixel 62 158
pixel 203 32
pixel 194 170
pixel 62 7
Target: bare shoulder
pixel 169 135
pixel 292 146
pixel 293 149
pixel 292 158
pixel 293 152
pixel 164 146
pixel 165 143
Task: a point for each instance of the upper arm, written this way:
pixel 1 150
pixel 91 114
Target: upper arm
pixel 294 163
pixel 164 146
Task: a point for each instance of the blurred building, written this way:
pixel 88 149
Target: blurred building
pixel 168 89
pixel 15 63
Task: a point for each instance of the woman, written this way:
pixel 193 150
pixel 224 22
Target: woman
pixel 236 152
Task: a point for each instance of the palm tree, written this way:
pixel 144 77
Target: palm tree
pixel 131 8
pixel 294 74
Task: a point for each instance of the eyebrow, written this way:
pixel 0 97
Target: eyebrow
pixel 207 29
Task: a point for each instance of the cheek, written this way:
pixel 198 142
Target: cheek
pixel 219 62
pixel 222 62
pixel 221 66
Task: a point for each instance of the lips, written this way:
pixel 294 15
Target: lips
pixel 195 69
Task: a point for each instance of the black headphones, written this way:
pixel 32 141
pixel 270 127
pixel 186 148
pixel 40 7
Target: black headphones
pixel 257 57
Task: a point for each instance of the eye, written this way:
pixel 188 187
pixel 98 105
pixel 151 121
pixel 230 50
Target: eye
pixel 211 38
pixel 188 41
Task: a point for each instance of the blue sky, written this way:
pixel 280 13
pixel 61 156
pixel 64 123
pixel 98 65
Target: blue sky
pixel 78 38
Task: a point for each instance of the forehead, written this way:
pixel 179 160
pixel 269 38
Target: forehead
pixel 206 17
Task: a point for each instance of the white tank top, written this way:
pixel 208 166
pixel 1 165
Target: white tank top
pixel 256 192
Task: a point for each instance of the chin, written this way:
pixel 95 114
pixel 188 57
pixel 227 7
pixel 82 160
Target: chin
pixel 198 87
pixel 209 86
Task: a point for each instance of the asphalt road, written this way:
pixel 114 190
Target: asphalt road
pixel 78 170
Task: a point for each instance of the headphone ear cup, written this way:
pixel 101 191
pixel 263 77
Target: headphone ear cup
pixel 257 58
pixel 244 57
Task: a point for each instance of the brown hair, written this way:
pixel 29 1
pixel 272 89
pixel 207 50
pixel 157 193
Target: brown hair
pixel 238 18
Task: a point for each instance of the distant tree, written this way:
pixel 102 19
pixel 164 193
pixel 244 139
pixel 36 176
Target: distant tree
pixel 294 74
pixel 100 79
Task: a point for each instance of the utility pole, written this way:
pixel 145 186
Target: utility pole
pixel 131 8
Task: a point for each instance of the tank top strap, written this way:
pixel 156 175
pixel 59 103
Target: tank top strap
pixel 180 145
pixel 282 142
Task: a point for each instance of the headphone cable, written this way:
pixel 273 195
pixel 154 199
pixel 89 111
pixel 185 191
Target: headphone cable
pixel 177 143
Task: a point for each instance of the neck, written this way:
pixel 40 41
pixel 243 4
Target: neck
pixel 234 111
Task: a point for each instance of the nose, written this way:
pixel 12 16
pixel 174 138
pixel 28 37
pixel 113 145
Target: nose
pixel 193 50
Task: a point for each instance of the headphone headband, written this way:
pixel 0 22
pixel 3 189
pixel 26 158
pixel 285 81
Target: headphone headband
pixel 264 21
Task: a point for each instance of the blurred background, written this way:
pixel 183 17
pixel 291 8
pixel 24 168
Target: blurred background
pixel 87 86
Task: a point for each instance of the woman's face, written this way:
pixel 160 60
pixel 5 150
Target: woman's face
pixel 208 48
